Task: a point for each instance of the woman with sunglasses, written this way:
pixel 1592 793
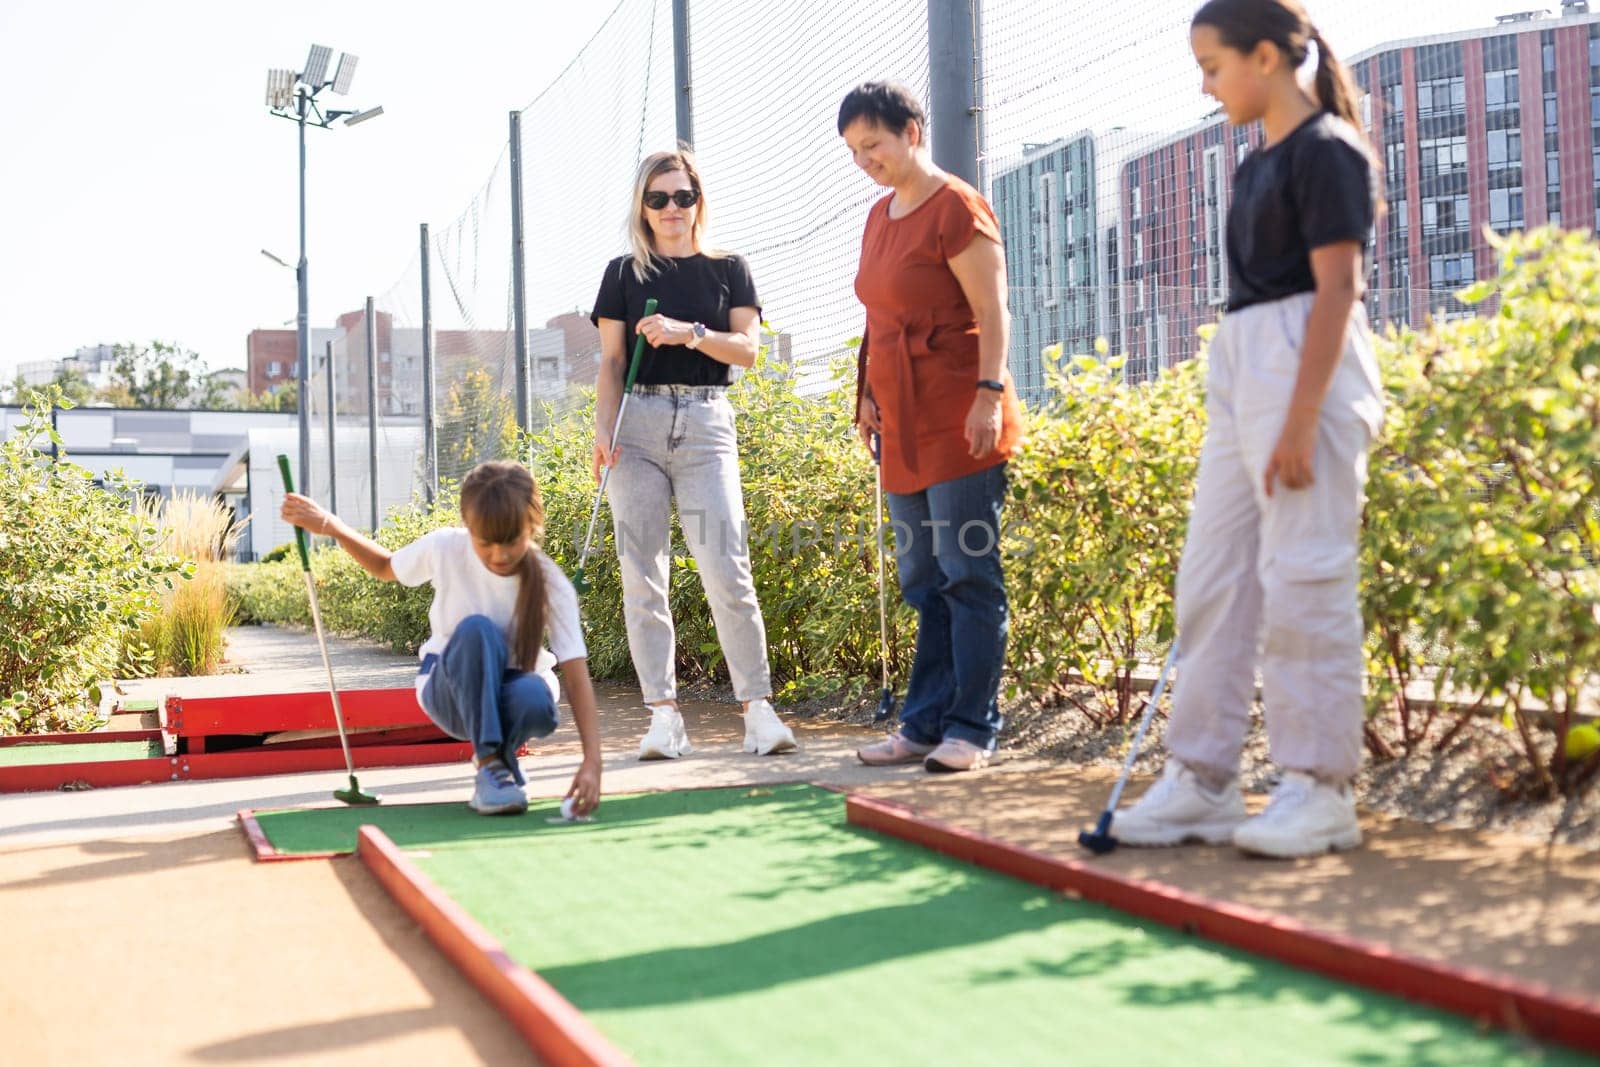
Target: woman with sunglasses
pixel 678 445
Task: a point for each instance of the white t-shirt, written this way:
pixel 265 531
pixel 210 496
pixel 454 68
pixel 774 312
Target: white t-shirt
pixel 463 586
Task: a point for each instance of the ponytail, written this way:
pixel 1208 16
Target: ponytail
pixel 1336 89
pixel 528 638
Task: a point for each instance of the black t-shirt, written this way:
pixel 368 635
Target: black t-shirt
pixel 1315 187
pixel 697 288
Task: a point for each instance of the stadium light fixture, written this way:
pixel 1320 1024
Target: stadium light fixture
pixel 345 74
pixel 316 72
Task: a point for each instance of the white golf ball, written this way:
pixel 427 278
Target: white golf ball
pixel 569 808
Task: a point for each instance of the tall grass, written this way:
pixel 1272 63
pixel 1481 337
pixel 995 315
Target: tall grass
pixel 186 636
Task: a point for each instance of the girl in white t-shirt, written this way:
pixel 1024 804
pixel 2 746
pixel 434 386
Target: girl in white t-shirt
pixel 485 675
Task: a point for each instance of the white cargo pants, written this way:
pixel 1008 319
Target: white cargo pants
pixel 1273 580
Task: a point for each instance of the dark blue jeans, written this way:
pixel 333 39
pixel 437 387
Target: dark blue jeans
pixel 947 545
pixel 472 695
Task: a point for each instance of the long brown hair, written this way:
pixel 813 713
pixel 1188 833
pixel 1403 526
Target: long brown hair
pixel 1244 24
pixel 500 503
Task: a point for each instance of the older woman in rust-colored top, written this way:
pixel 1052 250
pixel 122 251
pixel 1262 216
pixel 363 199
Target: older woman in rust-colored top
pixel 933 389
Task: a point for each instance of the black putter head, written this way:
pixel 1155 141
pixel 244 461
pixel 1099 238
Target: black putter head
pixel 886 704
pixel 1099 840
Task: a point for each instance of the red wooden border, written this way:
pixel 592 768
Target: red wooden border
pixel 241 763
pixel 91 738
pixel 1488 998
pixel 310 710
pixel 556 1031
pixel 263 847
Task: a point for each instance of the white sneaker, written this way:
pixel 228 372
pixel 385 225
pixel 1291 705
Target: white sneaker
pixel 1305 817
pixel 666 738
pixel 1179 808
pixel 764 732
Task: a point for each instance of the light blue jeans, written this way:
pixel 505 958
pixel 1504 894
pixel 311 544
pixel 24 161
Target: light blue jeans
pixel 471 694
pixel 678 446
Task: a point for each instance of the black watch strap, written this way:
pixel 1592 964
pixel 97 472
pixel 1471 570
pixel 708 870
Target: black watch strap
pixel 991 385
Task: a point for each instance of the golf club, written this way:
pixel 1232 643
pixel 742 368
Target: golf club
pixel 352 795
pixel 579 581
pixel 886 700
pixel 1099 840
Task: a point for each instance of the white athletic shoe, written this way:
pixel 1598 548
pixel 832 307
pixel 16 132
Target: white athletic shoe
pixel 1179 808
pixel 666 738
pixel 1305 817
pixel 764 732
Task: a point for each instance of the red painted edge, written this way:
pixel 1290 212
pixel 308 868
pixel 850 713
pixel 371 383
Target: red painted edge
pixel 240 763
pixel 265 852
pixel 1488 998
pixel 309 710
pixel 556 1031
pixel 95 737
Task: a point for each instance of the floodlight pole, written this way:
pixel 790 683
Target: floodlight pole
pixel 302 318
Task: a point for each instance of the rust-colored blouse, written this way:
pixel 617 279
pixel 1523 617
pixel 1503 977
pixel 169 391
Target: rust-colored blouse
pixel 919 356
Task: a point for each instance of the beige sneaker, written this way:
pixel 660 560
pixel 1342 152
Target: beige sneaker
pixel 956 755
pixel 892 750
pixel 666 738
pixel 764 732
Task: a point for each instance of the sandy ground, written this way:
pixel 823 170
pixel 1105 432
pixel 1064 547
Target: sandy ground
pixel 138 930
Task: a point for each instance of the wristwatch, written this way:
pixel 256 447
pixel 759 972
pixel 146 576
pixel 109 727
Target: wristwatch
pixel 699 335
pixel 991 385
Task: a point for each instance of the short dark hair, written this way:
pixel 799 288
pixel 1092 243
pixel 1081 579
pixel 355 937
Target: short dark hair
pixel 887 104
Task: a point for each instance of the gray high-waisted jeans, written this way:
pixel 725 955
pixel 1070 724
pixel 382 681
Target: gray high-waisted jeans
pixel 678 445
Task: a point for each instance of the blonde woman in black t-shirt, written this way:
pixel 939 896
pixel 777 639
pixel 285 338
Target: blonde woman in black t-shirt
pixel 1293 402
pixel 678 445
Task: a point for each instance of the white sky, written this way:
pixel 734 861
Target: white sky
pixel 143 173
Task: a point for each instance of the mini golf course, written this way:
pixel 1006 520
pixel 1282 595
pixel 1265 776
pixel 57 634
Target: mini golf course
pixel 757 925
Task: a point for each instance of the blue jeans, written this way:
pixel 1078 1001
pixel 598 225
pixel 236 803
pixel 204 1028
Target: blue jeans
pixel 472 695
pixel 947 545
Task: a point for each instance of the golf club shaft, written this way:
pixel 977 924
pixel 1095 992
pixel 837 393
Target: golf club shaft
pixel 327 664
pixel 883 606
pixel 616 435
pixel 1144 728
pixel 600 494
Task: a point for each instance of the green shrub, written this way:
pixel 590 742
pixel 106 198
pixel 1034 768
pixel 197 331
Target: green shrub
pixel 80 568
pixel 1482 532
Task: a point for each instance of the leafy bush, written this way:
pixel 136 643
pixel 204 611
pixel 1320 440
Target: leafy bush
pixel 80 568
pixel 1099 505
pixel 1483 530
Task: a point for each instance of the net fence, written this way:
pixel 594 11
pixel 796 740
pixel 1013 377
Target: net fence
pixel 1109 169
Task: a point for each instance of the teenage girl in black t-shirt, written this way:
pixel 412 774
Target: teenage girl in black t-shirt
pixel 1292 403
pixel 678 445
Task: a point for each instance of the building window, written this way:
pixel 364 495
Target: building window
pixel 1444 214
pixel 1505 149
pixel 549 369
pixel 1442 96
pixel 274 369
pixel 1443 155
pixel 1501 89
pixel 1136 203
pixel 1505 209
pixel 1215 195
pixel 1552 172
pixel 1450 271
pixel 1552 118
pixel 1394 97
pixel 1045 238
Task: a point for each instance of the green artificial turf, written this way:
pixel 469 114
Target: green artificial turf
pixel 746 926
pixel 81 752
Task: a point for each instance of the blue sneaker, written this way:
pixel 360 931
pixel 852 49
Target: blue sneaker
pixel 496 792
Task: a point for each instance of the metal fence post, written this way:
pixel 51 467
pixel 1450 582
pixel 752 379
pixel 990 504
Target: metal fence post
pixel 953 75
pixel 372 410
pixel 682 71
pixel 430 453
pixel 519 307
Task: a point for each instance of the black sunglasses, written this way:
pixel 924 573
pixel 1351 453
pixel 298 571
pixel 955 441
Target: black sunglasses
pixel 655 201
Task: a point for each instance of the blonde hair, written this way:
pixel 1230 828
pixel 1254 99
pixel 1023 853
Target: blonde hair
pixel 646 260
